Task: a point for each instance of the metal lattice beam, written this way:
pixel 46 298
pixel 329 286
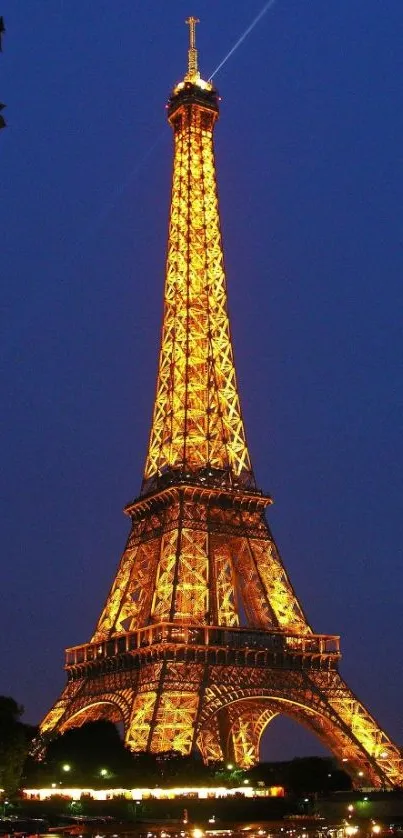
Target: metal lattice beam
pixel 197 418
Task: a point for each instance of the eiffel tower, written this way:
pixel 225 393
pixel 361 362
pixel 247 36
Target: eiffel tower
pixel 169 657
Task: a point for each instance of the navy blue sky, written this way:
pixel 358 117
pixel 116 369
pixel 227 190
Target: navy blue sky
pixel 310 178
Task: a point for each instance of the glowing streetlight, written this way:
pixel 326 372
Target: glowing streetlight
pixel 104 772
pixel 66 767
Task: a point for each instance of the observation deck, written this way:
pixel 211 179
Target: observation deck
pixel 193 93
pixel 193 89
pixel 215 645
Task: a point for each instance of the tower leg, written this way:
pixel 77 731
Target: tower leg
pixel 233 734
pixel 357 738
pixel 53 719
pixel 209 742
pixel 108 697
pixel 165 708
pixel 249 721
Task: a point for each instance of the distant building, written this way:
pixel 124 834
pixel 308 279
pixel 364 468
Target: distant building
pixel 200 793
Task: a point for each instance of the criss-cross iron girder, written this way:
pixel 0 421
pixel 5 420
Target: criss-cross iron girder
pixel 197 421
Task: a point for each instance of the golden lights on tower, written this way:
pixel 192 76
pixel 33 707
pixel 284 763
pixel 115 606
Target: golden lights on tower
pixel 197 421
pixel 169 657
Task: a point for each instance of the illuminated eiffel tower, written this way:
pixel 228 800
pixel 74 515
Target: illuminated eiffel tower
pixel 169 657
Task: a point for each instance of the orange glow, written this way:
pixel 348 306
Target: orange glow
pixel 168 658
pixel 202 792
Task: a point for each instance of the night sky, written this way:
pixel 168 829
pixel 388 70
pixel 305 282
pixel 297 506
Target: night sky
pixel 310 178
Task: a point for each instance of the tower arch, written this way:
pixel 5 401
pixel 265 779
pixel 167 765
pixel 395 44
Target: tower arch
pixel 106 708
pixel 76 707
pixel 233 731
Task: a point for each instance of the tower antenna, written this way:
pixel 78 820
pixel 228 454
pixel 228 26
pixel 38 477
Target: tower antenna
pixel 193 69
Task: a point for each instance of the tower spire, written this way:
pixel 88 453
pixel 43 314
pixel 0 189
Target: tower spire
pixel 193 70
pixel 197 427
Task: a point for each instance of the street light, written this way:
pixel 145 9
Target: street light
pixel 66 767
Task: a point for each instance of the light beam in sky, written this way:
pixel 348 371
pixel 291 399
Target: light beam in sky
pixel 99 220
pixel 104 213
pixel 244 35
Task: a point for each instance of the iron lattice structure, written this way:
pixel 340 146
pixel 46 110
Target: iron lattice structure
pixel 169 656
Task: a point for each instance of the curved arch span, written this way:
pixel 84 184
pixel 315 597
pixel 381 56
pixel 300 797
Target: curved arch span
pixel 234 731
pixel 104 709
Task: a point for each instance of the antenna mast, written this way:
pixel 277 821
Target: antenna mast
pixel 193 70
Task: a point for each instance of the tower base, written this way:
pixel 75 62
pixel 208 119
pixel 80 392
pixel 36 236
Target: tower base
pixel 180 687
